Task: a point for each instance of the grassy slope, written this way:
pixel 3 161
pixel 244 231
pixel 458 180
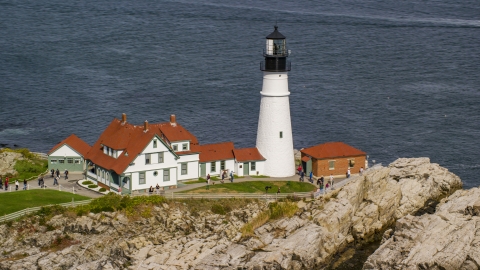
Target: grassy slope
pixel 256 187
pixel 16 201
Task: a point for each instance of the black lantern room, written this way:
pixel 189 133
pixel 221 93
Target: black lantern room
pixel 276 53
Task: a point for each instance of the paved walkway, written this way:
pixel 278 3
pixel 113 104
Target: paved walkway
pixel 66 185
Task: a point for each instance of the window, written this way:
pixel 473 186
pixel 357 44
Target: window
pixel 253 166
pixel 166 175
pixel 61 161
pixel 331 165
pixel 222 165
pixel 184 168
pixel 147 158
pixel 185 146
pixel 213 166
pixel 70 160
pixel 77 161
pixel 141 178
pixel 351 163
pixel 53 161
pixel 154 143
pixel 155 173
pixel 281 134
pixel 175 147
pixel 160 157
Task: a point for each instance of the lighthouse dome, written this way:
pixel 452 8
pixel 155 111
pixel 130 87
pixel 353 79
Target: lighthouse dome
pixel 275 34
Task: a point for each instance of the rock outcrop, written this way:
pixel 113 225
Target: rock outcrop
pixel 448 239
pixel 173 238
pixel 7 162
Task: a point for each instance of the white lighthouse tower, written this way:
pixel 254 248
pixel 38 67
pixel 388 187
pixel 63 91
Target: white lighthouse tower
pixel 274 135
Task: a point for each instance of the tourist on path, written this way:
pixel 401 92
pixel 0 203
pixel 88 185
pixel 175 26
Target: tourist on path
pixel 302 175
pixel 278 191
pixel 24 184
pixel 224 174
pixel 55 181
pixel 16 184
pixel 299 169
pixel 231 176
pixel 150 190
pixel 157 189
pixel 361 171
pixel 348 173
pixel 6 183
pixel 208 179
pixel 331 179
pixel 66 174
pixel 1 182
pixel 53 172
pixel 58 172
pixel 311 177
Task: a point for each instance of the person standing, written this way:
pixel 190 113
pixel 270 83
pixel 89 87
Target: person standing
pixel 331 179
pixel 157 189
pixel 16 184
pixel 223 175
pixel 310 178
pixel 58 172
pixel 208 179
pixel 6 183
pixel 55 181
pixel 299 169
pixel 361 171
pixel 66 174
pixel 24 184
pixel 1 182
pixel 302 176
pixel 231 176
pixel 53 172
pixel 348 173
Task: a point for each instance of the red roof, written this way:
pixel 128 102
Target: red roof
pixel 132 140
pixel 75 143
pixel 215 151
pixel 332 150
pixel 247 154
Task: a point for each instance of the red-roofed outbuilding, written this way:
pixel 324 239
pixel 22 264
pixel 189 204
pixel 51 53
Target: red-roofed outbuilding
pixel 332 158
pixel 68 154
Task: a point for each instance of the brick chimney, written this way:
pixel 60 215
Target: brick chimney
pixel 145 126
pixel 124 118
pixel 173 120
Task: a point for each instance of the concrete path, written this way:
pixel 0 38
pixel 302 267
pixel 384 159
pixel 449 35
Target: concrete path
pixel 66 185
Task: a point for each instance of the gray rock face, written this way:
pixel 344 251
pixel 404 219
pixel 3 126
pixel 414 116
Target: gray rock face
pixel 448 239
pixel 174 239
pixel 7 162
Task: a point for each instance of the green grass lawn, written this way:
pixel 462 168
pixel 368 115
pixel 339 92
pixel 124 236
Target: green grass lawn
pixel 256 187
pixel 16 201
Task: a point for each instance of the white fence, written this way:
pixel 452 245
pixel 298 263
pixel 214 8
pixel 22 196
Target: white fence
pixel 271 196
pixel 27 211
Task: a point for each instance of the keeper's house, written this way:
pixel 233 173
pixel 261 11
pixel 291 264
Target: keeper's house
pixel 68 155
pixel 127 158
pixel 332 158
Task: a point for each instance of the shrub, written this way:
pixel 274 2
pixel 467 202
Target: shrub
pixel 275 211
pixel 102 189
pixel 220 209
pixel 87 183
pixel 92 186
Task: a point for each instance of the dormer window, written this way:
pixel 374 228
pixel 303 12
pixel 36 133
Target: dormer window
pixel 175 147
pixel 185 146
pixel 154 143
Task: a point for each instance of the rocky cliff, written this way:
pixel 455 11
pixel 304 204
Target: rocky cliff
pixel 449 239
pixel 175 238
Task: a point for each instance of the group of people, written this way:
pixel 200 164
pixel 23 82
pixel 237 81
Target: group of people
pixel 151 190
pixel 224 175
pixel 7 181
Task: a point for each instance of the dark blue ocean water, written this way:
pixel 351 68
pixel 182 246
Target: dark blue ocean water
pixel 393 78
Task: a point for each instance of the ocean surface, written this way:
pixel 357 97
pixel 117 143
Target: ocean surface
pixel 392 78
